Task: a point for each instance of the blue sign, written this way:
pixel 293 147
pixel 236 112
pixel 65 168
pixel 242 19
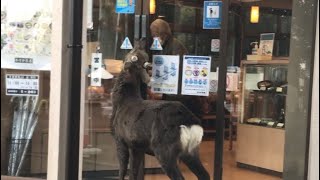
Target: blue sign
pixel 212 12
pixel 125 6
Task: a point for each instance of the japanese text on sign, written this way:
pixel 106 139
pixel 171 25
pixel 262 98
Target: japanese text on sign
pixel 195 77
pixel 22 85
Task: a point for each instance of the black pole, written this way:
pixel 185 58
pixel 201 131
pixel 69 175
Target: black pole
pixel 220 123
pixel 72 158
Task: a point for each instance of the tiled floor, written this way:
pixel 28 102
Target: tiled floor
pixel 230 171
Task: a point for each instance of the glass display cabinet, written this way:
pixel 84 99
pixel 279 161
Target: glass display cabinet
pixel 261 126
pixel 264 88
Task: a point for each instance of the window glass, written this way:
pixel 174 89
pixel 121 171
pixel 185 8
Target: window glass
pixel 25 87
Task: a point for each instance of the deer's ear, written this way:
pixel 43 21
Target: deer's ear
pixel 142 43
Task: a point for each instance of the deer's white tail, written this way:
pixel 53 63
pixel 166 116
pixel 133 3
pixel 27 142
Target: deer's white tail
pixel 190 137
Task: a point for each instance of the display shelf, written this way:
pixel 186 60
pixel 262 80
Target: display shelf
pixel 260 141
pixel 277 61
pixel 263 102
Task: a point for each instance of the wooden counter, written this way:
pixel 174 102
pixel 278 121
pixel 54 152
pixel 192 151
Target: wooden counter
pixel 261 147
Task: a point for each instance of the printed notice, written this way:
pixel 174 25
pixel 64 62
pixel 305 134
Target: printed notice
pixel 22 85
pixel 26 35
pixel 125 6
pixel 195 77
pixel 96 64
pixel 215 45
pixel 212 12
pixel 165 74
pixel 266 44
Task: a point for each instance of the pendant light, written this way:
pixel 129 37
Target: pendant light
pixel 254 14
pixel 152 6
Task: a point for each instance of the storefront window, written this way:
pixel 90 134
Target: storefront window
pixel 25 87
pixel 182 41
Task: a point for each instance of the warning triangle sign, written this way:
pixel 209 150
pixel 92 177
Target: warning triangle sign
pixel 126 44
pixel 156 44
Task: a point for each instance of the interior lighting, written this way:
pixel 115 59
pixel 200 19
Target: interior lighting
pixel 152 6
pixel 254 15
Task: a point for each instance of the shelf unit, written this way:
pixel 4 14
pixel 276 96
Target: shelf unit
pixel 259 146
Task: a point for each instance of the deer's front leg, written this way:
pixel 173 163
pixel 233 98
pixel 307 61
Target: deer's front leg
pixel 136 165
pixel 123 157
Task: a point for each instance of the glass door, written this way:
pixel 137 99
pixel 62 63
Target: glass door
pixel 181 39
pixel 109 37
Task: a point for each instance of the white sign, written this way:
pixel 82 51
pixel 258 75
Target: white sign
pixel 266 44
pixel 22 85
pixel 215 45
pixel 195 77
pixel 156 45
pixel 126 44
pixel 26 35
pixel 165 74
pixel 25 62
pixel 96 63
pixel 213 87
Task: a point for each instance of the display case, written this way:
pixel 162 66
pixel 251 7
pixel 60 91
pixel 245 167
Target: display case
pixel 263 96
pixel 261 126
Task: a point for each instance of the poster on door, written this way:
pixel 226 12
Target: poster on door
pixel 165 74
pixel 195 77
pixel 26 34
pixel 125 6
pixel 212 12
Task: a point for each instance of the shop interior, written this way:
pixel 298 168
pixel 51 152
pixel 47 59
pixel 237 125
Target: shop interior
pixel 254 122
pixel 255 94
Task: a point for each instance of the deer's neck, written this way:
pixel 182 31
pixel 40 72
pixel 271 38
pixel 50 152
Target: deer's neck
pixel 123 90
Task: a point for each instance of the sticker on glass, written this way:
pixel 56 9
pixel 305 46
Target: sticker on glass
pixel 126 44
pixel 165 74
pixel 125 6
pixel 212 12
pixel 156 45
pixel 22 85
pixel 195 75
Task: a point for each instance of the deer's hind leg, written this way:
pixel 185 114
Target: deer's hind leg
pixel 167 158
pixel 123 157
pixel 193 162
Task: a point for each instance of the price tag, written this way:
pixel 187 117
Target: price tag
pixel 22 85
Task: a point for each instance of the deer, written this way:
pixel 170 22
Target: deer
pixel 164 129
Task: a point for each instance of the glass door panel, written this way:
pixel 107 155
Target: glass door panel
pixel 106 35
pixel 111 35
pixel 177 28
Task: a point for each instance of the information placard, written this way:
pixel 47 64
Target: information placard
pixel 195 77
pixel 212 12
pixel 22 85
pixel 165 74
